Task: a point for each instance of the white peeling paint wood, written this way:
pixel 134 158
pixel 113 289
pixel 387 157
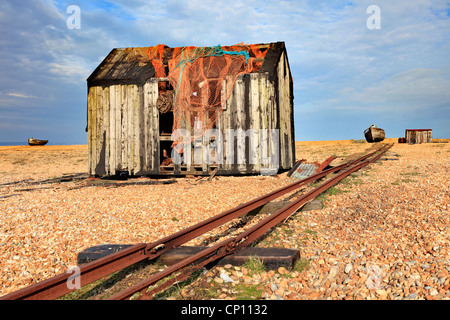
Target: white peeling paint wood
pixel 260 115
pixel 151 127
pixel 225 123
pixel 263 88
pixel 106 124
pixel 289 108
pixel 112 129
pixel 123 133
pixel 285 113
pixel 274 147
pixel 147 126
pixel 240 118
pixel 122 166
pixel 283 129
pixel 89 128
pixel 255 122
pixel 123 125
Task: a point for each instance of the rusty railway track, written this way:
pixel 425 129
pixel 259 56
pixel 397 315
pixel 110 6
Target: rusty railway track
pixel 56 286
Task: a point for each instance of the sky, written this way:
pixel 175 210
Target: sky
pixel 352 66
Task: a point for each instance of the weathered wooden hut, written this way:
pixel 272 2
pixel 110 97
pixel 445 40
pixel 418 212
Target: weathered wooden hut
pixel 134 100
pixel 414 136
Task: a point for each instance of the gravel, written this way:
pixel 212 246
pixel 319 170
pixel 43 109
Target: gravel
pixel 384 233
pixel 44 226
pixel 386 236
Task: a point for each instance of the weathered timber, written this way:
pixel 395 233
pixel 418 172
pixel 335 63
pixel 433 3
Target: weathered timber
pixel 274 206
pixel 126 108
pixel 37 142
pixel 99 251
pixel 417 136
pixel 272 258
pixel 374 134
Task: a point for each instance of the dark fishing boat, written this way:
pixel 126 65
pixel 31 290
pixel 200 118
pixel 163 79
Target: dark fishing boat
pixel 374 134
pixel 37 142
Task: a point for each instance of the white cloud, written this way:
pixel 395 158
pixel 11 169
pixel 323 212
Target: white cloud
pixel 20 95
pixel 70 69
pixel 337 63
pixel 417 89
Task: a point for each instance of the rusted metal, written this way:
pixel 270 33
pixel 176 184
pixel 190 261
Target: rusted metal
pixel 205 256
pixel 255 232
pixel 303 169
pixel 295 167
pixel 270 257
pixel 57 286
pixel 161 246
pixel 324 164
pixel 157 248
pixel 230 245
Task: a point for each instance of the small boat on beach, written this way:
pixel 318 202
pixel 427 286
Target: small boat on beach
pixel 37 142
pixel 374 134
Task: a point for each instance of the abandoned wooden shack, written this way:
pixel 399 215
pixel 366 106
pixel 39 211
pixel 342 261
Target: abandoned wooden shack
pixel 415 136
pixel 191 110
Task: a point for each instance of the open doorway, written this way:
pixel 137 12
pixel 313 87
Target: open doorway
pixel 165 138
pixel 165 107
pixel 165 124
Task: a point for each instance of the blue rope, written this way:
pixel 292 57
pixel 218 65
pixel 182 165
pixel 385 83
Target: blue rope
pixel 216 51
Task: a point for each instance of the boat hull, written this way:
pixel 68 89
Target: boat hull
pixel 37 142
pixel 374 134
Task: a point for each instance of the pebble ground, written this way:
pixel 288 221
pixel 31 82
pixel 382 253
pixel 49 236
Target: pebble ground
pixel 382 234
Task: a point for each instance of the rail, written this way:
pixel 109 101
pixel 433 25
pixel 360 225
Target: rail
pixel 56 286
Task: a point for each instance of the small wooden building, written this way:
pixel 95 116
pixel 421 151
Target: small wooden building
pixel 414 136
pixel 130 119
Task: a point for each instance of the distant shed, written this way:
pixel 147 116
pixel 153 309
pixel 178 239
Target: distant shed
pixel 139 98
pixel 415 136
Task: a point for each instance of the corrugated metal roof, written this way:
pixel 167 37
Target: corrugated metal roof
pixel 305 170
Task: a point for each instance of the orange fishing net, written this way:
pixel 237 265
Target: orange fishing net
pixel 156 57
pixel 203 79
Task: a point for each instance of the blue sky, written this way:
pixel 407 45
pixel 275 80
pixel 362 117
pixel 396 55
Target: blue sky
pixel 346 76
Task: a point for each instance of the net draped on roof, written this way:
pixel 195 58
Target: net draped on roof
pixel 202 79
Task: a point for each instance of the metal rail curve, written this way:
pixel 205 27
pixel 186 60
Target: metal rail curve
pixel 231 245
pixel 56 286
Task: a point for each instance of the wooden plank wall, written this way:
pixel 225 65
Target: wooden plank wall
pixel 284 101
pixel 253 105
pixel 418 136
pixel 151 128
pixel 123 129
